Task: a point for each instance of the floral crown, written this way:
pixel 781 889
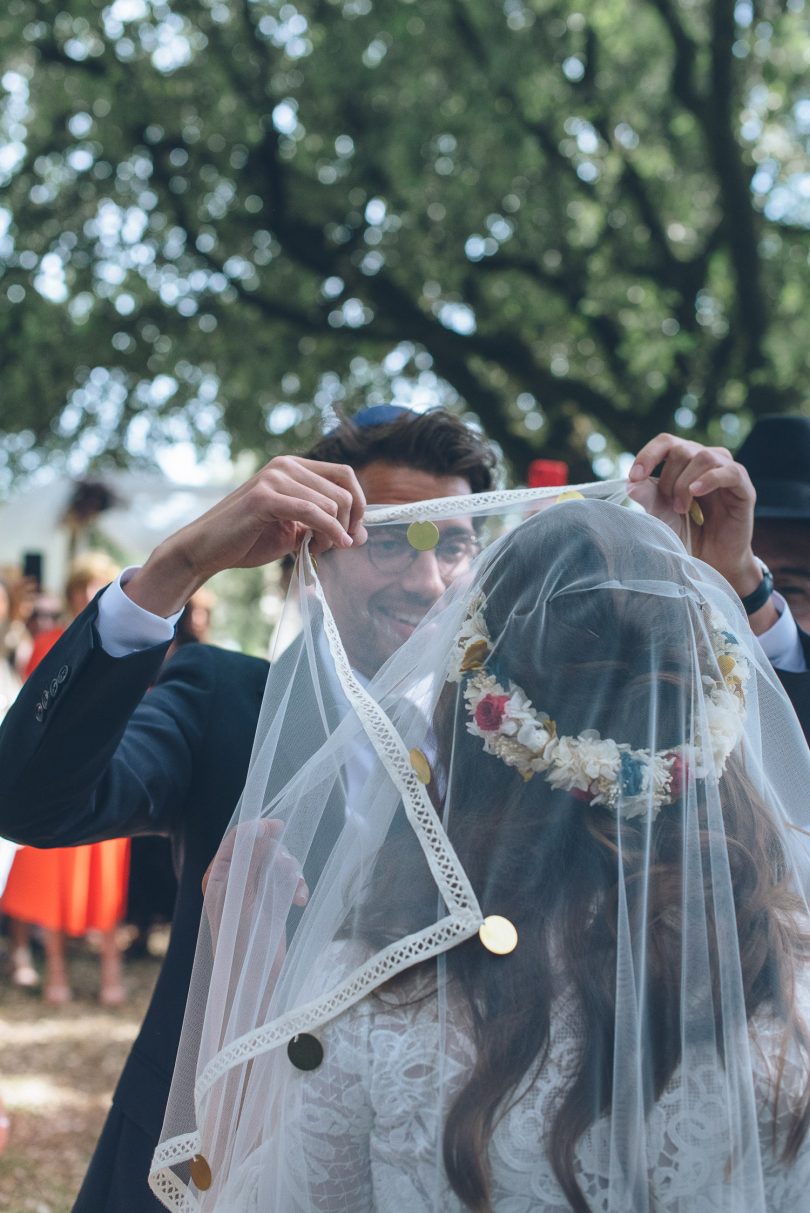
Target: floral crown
pixel 595 769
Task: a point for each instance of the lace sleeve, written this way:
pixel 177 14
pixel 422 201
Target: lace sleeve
pixel 786 1184
pixel 330 1156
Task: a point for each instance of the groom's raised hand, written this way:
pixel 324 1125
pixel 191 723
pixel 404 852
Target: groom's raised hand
pixel 707 475
pixel 264 519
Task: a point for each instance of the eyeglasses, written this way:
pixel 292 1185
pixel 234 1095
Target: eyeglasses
pixel 389 550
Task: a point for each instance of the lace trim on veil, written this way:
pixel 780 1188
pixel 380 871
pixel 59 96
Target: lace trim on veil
pixel 608 490
pixel 462 921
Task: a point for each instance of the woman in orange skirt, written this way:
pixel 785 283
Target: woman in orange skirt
pixel 73 890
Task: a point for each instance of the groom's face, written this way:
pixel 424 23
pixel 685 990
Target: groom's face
pixel 377 607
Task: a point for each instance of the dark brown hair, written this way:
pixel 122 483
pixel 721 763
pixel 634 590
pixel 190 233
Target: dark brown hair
pixel 558 884
pixel 436 442
pixel 565 872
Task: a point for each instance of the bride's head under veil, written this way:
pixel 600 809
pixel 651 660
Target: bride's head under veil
pixel 554 949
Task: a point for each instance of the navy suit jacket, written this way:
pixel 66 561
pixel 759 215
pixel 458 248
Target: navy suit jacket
pixel 88 752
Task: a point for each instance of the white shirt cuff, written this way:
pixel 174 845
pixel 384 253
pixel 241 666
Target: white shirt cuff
pixel 781 643
pixel 124 627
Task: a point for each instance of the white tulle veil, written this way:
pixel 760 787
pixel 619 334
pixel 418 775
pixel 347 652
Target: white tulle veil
pixel 557 847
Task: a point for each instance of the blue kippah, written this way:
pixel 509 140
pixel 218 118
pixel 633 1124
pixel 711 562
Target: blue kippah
pixel 379 414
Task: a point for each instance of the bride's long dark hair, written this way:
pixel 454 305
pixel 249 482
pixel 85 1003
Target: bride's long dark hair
pixel 556 866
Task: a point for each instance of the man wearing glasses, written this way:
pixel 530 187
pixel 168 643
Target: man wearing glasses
pixel 87 755
pixel 396 583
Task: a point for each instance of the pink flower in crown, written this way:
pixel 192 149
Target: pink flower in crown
pixel 490 712
pixel 679 771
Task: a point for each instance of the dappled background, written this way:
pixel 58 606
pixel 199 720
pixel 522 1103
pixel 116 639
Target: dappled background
pixel 577 222
pixel 582 222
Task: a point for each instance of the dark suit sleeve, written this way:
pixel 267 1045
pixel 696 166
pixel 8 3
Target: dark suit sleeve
pixel 87 752
pixel 798 687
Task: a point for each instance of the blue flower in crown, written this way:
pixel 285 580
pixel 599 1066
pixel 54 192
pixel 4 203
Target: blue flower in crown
pixel 631 775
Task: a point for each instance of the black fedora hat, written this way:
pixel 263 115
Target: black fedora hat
pixel 776 455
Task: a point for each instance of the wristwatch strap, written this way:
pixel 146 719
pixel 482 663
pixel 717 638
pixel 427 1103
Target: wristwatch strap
pixel 758 597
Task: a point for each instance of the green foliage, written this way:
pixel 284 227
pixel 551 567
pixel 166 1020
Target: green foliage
pixel 222 220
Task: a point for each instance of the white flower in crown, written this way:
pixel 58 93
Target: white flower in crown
pixel 584 763
pixel 596 769
pixel 536 735
pixel 724 701
pixel 724 724
pixel 658 774
pixel 472 643
pixel 522 722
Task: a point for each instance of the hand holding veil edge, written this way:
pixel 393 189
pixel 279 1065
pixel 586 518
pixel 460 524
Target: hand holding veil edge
pixel 580 737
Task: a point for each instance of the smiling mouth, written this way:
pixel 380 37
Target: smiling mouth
pixel 401 619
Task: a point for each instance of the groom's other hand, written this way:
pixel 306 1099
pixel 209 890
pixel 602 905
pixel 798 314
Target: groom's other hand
pixel 264 519
pixel 269 880
pixel 707 477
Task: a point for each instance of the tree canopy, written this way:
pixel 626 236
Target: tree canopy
pixel 583 221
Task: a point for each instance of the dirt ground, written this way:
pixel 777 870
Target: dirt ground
pixel 58 1068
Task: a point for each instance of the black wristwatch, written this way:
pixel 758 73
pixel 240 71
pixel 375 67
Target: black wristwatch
pixel 758 597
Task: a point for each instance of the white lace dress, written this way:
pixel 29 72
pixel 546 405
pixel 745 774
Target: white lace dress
pixel 365 1131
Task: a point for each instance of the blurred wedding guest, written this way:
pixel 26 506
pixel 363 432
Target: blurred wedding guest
pixel 152 878
pixel 195 622
pixel 9 680
pixel 15 605
pixel 69 891
pixel 9 685
pixel 45 617
pixel 777 456
pixel 23 972
pixel 194 625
